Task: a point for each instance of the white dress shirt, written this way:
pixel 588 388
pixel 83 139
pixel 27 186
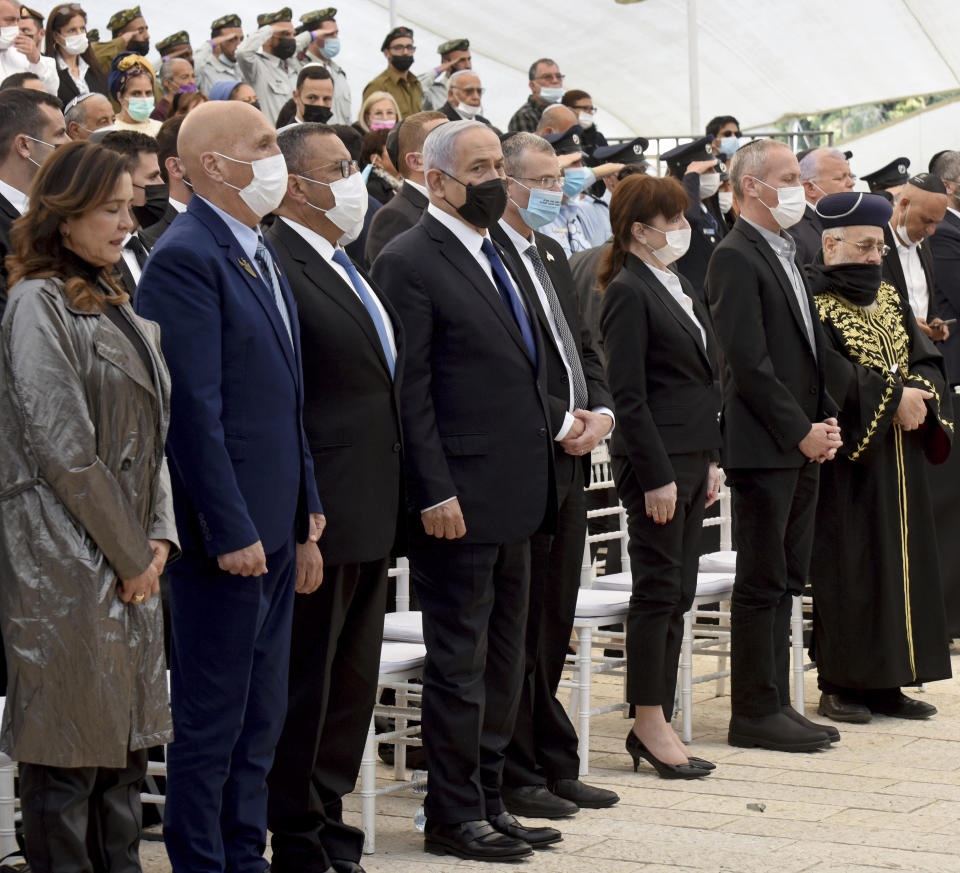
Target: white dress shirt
pixel 82 67
pixel 14 61
pixel 917 291
pixel 323 248
pixel 418 187
pixel 18 200
pixel 671 282
pixel 176 204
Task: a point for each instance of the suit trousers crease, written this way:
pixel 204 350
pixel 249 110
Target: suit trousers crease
pixel 334 666
pixel 664 561
pixel 774 512
pixel 230 656
pixel 474 602
pixel 544 744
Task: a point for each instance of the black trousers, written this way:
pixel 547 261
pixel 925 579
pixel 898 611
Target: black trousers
pixel 83 819
pixel 334 662
pixel 774 511
pixel 544 744
pixel 474 602
pixel 663 563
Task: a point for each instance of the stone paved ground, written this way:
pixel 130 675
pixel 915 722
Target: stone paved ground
pixel 886 798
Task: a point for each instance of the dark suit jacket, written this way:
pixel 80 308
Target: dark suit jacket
pixel 773 384
pixel 453 115
pixel 808 233
pixel 8 215
pixel 558 383
pixel 893 273
pixel 351 409
pixel 706 231
pixel 944 246
pixel 239 460
pixel 474 405
pixel 393 218
pixel 585 267
pixel 150 235
pixel 95 78
pixel 665 384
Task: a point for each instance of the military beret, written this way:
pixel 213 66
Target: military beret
pixel 853 209
pixel 232 20
pixel 567 143
pixel 27 12
pixel 396 33
pixel 93 35
pixel 181 37
pixel 311 20
pixel 888 176
pixel 621 153
pixel 122 18
pixel 454 45
pixel 928 182
pixel 285 14
pixel 699 150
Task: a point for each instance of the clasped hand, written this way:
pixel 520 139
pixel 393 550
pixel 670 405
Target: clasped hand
pixel 912 411
pixel 822 442
pixel 586 432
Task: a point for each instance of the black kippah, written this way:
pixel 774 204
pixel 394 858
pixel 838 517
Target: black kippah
pixel 928 182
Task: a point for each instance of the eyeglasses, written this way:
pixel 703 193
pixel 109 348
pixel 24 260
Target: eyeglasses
pixel 470 92
pixel 347 169
pixel 866 247
pixel 402 49
pixel 543 181
pixel 730 133
pixel 550 77
pixel 591 109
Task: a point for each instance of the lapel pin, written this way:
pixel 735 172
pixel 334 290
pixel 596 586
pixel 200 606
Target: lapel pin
pixel 549 256
pixel 243 262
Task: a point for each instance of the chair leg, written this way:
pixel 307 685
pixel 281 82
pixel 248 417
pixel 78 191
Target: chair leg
pixel 686 675
pixel 8 840
pixel 796 641
pixel 723 622
pixel 584 663
pixel 400 744
pixel 368 791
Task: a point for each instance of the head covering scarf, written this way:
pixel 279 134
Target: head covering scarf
pixel 124 67
pixel 223 90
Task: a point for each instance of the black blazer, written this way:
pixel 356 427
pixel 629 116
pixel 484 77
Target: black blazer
pixel 808 234
pixel 666 389
pixel 558 383
pixel 893 273
pixel 8 215
pixel 944 247
pixel 351 406
pixel 453 115
pixel 393 218
pixel 150 235
pixel 773 384
pixel 706 231
pixel 95 78
pixel 474 405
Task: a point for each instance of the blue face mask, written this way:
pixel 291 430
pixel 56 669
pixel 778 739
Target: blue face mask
pixel 728 145
pixel 542 208
pixel 551 95
pixel 576 179
pixel 330 48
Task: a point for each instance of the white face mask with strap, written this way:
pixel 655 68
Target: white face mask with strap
pixel 677 243
pixel 265 191
pixel 791 203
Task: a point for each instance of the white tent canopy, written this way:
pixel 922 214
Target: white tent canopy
pixel 758 59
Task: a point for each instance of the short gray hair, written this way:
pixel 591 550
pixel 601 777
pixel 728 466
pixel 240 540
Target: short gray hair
pixel 440 143
pixel 947 166
pixel 294 143
pixel 166 69
pixel 515 150
pixel 751 160
pixel 460 73
pixel 810 164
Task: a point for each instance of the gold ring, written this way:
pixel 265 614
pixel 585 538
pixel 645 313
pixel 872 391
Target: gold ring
pixel 138 598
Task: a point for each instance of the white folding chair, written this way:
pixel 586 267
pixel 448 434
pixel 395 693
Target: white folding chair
pixel 8 804
pixel 402 574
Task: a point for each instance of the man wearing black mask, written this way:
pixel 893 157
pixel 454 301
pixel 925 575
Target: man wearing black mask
pixel 266 59
pixel 150 198
pixel 396 79
pixel 314 95
pixel 478 455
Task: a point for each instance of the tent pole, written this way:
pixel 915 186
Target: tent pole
pixel 694 68
pixel 393 14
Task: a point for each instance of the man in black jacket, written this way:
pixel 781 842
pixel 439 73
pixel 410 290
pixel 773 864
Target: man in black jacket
pixel 823 171
pixel 404 210
pixel 172 175
pixel 464 96
pixel 541 773
pixel 944 245
pixel 775 428
pixel 352 362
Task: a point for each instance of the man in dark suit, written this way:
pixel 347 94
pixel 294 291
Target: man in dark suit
pixel 775 427
pixel 243 484
pixel 478 452
pixel 823 171
pixel 171 173
pixel 908 265
pixel 541 773
pixel 404 210
pixel 31 126
pixel 464 96
pixel 944 245
pixel 353 354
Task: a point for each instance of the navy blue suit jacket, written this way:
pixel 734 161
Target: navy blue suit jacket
pixel 239 459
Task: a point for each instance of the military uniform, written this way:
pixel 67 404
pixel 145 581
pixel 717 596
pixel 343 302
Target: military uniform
pixel 434 86
pixel 211 69
pixel 177 40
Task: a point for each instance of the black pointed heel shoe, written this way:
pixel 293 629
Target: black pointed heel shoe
pixel 638 750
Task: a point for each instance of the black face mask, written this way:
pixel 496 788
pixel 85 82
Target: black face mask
pixel 158 197
pixel 402 63
pixel 284 47
pixel 859 283
pixel 316 114
pixel 485 202
pixel 139 46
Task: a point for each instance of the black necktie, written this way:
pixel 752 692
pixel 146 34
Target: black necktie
pixel 139 250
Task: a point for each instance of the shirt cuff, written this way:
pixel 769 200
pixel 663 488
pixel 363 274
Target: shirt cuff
pixel 435 505
pixel 568 421
pixel 605 410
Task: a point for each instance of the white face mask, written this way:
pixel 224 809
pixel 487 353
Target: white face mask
pixel 350 209
pixel 678 241
pixel 726 201
pixel 585 119
pixel 8 35
pixel 267 187
pixel 902 229
pixel 791 203
pixel 76 44
pixel 468 111
pixel 709 183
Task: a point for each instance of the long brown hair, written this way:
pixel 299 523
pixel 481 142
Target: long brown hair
pixel 59 17
pixel 638 198
pixel 76 179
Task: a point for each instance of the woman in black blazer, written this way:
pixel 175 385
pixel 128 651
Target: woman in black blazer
pixel 66 42
pixel 660 361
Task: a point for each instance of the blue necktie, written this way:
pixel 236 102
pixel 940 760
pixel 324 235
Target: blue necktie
pixel 265 263
pixel 510 296
pixel 340 257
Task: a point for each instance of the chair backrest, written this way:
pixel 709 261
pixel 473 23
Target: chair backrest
pixel 724 519
pixel 402 574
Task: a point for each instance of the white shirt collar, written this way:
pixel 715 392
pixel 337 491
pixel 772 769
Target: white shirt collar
pixel 321 245
pixel 520 242
pixel 248 237
pixel 18 200
pixel 954 211
pixel 418 187
pixel 900 245
pixel 176 204
pixel 471 240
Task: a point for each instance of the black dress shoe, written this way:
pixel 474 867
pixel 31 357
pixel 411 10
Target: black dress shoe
pixel 839 708
pixel 505 823
pixel 832 733
pixel 473 840
pixel 583 795
pixel 535 801
pixel 898 705
pixel 775 731
pixel 342 866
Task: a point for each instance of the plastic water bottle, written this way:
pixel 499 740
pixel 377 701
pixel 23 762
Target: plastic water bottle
pixel 418 782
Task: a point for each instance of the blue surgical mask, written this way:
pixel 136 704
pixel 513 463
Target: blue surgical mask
pixel 140 108
pixel 542 208
pixel 728 145
pixel 331 47
pixel 576 179
pixel 551 95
